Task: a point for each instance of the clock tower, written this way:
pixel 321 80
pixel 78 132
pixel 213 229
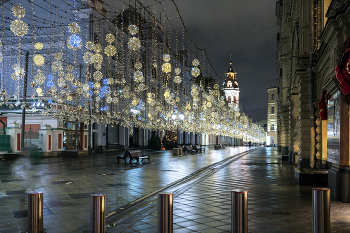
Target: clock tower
pixel 231 88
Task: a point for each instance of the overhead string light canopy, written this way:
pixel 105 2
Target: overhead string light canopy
pixel 125 66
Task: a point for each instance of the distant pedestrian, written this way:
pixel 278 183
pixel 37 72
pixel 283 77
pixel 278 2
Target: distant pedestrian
pixel 249 143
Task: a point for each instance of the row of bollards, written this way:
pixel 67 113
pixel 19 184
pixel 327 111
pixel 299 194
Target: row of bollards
pixel 35 213
pixel 239 212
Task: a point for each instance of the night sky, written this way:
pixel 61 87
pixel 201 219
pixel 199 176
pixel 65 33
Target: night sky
pixel 247 29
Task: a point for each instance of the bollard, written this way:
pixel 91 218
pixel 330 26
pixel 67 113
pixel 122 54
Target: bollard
pixel 35 212
pixel 239 211
pixel 98 213
pixel 321 217
pixel 165 213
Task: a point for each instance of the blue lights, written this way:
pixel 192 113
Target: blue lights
pixel 75 40
pixel 49 83
pixel 50 77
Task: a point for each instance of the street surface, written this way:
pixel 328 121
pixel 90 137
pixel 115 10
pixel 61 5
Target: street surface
pixel 201 184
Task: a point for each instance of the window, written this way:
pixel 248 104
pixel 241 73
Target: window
pixel 272 110
pixel 229 99
pixel 272 96
pixel 272 126
pixel 234 99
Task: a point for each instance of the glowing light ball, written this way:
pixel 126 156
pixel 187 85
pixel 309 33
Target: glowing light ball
pixel 38 46
pixel 166 67
pixel 39 60
pixel 18 27
pixel 134 44
pixel 18 11
pixel 195 72
pixel 110 50
pixel 133 29
pixel 74 42
pixel 74 28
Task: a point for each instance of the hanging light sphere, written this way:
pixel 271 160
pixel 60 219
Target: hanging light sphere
pixel 110 38
pixel 166 67
pixel 38 46
pixel 18 27
pixel 97 48
pixel 166 57
pixel 177 79
pixel 98 59
pixel 74 28
pixel 110 50
pixel 89 45
pixel 138 65
pixel 134 44
pixel 74 42
pixel 39 78
pixel 133 29
pixel 97 75
pixel 88 57
pixel 177 71
pixel 69 77
pixel 195 72
pixel 39 60
pixel 50 83
pixel 18 11
pixel 58 56
pixel 39 91
pixel 195 62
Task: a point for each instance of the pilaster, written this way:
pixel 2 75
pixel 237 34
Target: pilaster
pixel 304 132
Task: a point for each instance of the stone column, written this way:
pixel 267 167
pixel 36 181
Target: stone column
pixel 284 130
pixel 304 133
pixel 295 129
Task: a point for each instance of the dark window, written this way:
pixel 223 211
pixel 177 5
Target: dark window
pixel 272 96
pixel 272 110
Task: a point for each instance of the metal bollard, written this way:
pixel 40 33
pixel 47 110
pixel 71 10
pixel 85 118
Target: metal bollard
pixel 98 213
pixel 165 212
pixel 321 217
pixel 239 211
pixel 35 212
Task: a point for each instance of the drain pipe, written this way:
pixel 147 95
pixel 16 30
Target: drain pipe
pixel 313 158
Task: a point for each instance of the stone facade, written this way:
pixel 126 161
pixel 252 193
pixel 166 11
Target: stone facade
pixel 312 39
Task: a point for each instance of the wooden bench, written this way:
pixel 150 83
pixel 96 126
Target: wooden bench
pixel 134 155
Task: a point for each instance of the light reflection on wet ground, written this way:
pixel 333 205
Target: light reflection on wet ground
pixel 68 182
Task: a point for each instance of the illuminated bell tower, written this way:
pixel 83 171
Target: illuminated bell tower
pixel 231 88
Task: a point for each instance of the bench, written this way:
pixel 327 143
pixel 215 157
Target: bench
pixel 189 150
pixel 134 155
pixel 199 149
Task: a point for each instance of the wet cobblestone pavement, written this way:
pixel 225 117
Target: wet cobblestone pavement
pixel 201 203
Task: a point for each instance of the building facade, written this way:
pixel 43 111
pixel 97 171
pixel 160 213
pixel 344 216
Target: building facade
pixel 272 137
pixel 313 90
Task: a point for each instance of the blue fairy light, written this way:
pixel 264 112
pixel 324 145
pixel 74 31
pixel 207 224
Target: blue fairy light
pixel 105 81
pixel 139 118
pixel 50 77
pixel 75 40
pixel 49 83
pixel 91 84
pixel 49 101
pixel 102 94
